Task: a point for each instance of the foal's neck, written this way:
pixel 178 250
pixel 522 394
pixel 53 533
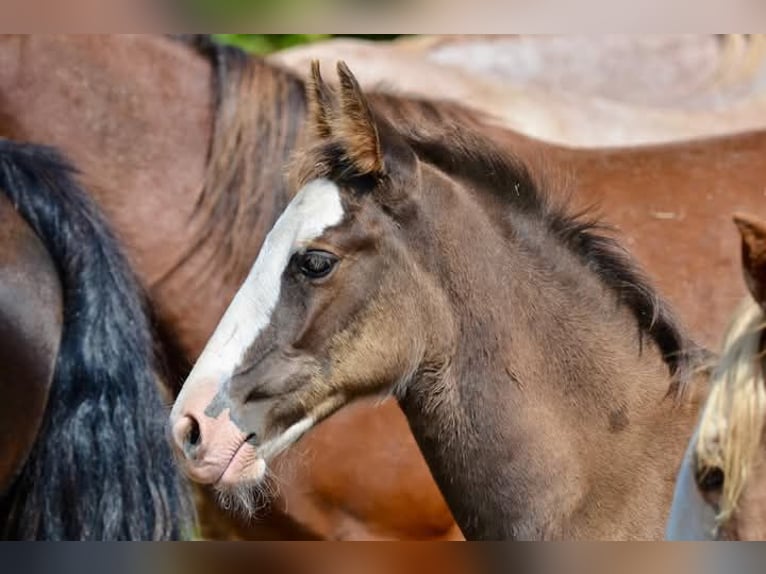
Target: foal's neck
pixel 552 420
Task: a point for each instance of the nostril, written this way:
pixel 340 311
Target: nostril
pixel 193 435
pixel 187 434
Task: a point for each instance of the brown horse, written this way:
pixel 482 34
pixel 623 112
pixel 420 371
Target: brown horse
pixel 82 415
pixel 200 133
pixel 535 364
pixel 721 491
pixel 31 310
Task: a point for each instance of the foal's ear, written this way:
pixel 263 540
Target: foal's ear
pixel 320 103
pixel 753 232
pixel 369 144
pixel 356 128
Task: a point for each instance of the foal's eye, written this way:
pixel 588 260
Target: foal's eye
pixel 316 264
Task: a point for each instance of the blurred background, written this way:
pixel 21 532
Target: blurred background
pixel 268 43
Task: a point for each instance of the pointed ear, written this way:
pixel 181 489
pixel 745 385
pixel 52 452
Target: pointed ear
pixel 355 126
pixel 753 232
pixel 320 103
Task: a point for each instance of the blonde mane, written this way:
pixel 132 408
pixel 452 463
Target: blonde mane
pixel 733 418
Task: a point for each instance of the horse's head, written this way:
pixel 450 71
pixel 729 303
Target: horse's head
pixel 721 491
pixel 336 305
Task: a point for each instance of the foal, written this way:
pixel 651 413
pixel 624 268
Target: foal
pixel 543 379
pixel 721 491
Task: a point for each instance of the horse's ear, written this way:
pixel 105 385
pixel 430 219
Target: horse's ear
pixel 355 126
pixel 320 103
pixel 753 232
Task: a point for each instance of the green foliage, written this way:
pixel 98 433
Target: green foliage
pixel 267 43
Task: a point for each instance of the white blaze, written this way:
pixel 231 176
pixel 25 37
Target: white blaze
pixel 315 208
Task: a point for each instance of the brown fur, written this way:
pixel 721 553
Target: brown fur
pixel 753 255
pixel 248 124
pixel 355 127
pixel 639 206
pixel 31 312
pixel 319 102
pixel 472 155
pixel 501 325
pixel 152 123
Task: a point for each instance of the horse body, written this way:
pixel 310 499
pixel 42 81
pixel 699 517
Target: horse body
pixel 429 264
pixel 102 426
pixel 31 311
pixel 132 118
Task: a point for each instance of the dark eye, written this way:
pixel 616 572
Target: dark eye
pixel 316 264
pixel 710 479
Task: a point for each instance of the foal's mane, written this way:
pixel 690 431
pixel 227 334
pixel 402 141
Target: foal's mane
pixel 471 155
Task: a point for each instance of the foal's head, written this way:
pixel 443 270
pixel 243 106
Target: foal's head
pixel 336 306
pixel 722 486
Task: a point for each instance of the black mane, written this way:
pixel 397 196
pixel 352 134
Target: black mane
pixel 102 468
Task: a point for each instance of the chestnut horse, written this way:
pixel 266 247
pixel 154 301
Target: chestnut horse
pixel 721 491
pixel 545 381
pixel 84 453
pixel 199 133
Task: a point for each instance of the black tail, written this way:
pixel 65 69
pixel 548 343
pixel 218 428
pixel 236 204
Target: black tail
pixel 102 468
